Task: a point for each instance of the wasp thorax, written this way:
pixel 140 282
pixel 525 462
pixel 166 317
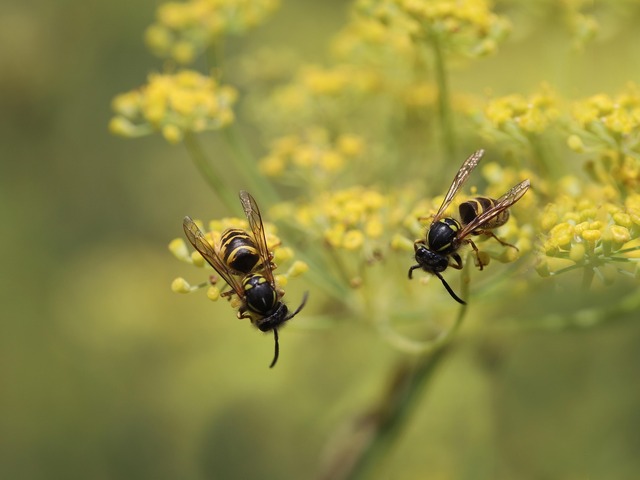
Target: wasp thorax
pixel 441 235
pixel 260 295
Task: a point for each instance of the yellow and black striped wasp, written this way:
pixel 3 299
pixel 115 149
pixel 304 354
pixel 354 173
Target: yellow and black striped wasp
pixel 445 235
pixel 246 265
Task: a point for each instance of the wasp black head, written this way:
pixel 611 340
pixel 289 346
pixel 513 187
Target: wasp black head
pixel 428 260
pixel 432 262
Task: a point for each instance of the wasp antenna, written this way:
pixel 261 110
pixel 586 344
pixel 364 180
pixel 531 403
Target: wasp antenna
pixel 449 289
pixel 304 301
pixel 411 269
pixel 277 348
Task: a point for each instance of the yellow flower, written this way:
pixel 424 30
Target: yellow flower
pixel 313 156
pixel 518 116
pixel 174 105
pixel 184 30
pixel 589 227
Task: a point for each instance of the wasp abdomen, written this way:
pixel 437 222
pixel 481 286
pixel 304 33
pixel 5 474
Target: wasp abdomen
pixel 471 209
pixel 239 251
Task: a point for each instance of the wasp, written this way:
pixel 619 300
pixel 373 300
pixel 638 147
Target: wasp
pixel 445 235
pixel 246 265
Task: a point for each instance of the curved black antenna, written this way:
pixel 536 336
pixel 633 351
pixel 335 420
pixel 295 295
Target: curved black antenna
pixel 451 292
pixel 411 269
pixel 304 301
pixel 275 330
pixel 277 352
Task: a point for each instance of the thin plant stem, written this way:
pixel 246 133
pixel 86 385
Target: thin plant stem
pixel 248 167
pixel 444 100
pixel 208 172
pixel 376 431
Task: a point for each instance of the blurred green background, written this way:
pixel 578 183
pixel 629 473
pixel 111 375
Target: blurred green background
pixel 107 374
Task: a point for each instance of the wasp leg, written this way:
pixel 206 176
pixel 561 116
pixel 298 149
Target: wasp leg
pixel 227 293
pixel 477 252
pixel 458 264
pixel 422 219
pixel 242 313
pixel 502 242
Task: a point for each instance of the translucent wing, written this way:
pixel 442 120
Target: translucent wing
pixel 202 245
pixel 504 202
pixel 461 177
pixel 252 212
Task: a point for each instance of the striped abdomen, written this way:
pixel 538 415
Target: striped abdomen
pixel 471 209
pixel 238 250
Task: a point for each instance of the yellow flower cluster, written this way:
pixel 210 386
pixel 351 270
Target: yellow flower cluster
pixel 366 37
pixel 610 118
pixel 589 226
pixel 318 93
pixel 517 117
pixel 610 126
pixel 281 254
pixel 183 30
pixel 173 105
pixel 460 26
pixel 313 156
pixel 353 219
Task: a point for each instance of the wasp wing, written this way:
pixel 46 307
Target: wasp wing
pixel 202 245
pixel 252 212
pixel 504 202
pixel 461 177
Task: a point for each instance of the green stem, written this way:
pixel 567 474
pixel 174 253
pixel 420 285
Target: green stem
pixel 379 427
pixel 208 172
pixel 444 101
pixel 417 347
pixel 377 430
pixel 248 167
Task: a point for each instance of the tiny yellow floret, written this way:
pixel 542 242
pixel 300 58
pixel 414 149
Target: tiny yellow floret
pixel 591 235
pixel 577 252
pixel 213 293
pixel 179 249
pixel 298 268
pixel 180 285
pixel 353 239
